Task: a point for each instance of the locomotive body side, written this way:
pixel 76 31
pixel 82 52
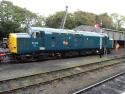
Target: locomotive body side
pixel 42 41
pixel 59 40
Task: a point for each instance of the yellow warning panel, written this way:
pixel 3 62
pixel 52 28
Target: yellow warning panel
pixel 12 43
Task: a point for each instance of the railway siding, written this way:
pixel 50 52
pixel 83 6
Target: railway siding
pixel 112 85
pixel 27 81
pixel 17 76
pixel 21 70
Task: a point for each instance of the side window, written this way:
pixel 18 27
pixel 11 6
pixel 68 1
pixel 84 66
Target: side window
pixel 106 38
pixel 53 42
pixel 33 35
pixel 37 34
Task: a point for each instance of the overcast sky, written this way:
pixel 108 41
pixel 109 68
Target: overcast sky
pixel 47 7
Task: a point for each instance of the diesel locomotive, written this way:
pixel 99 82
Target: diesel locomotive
pixel 41 42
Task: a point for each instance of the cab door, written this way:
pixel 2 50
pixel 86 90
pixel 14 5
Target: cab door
pixel 41 40
pixel 35 41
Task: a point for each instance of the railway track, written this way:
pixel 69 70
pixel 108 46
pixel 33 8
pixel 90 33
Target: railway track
pixel 14 84
pixel 90 89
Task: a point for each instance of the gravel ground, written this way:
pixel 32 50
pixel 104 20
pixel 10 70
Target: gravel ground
pixel 19 70
pixel 66 86
pixel 70 85
pixel 115 86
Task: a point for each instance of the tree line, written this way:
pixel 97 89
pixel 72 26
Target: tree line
pixel 113 21
pixel 16 19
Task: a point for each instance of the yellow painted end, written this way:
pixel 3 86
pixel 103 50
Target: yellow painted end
pixel 12 43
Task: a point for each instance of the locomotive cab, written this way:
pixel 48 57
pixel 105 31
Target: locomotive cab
pixel 19 43
pixel 39 37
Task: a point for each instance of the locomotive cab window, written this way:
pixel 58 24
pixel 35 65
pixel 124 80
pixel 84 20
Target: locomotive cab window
pixel 36 35
pixel 33 35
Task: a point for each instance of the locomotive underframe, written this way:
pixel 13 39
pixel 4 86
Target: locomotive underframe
pixel 41 55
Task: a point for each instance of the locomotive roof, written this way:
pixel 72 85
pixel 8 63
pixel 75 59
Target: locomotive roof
pixel 21 35
pixel 53 30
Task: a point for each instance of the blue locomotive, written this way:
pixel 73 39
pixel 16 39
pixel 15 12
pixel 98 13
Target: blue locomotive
pixel 49 41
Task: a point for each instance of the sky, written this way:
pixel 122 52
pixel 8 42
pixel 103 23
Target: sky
pixel 49 7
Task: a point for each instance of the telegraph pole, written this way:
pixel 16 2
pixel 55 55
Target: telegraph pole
pixel 64 19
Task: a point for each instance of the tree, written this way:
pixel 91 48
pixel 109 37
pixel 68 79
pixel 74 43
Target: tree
pixel 7 24
pixel 12 18
pixel 106 20
pixel 73 19
pixel 118 21
pixel 55 20
pixel 84 18
pixel 39 21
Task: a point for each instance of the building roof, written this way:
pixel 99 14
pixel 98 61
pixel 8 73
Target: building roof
pixel 87 28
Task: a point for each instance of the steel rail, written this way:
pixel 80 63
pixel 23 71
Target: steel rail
pixel 97 84
pixel 65 68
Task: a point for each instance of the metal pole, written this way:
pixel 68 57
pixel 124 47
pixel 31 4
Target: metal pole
pixel 101 41
pixel 101 37
pixel 64 20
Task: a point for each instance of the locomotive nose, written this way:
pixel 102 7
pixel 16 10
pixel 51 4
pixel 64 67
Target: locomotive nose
pixel 12 43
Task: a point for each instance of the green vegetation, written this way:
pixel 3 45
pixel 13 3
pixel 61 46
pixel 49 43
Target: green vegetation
pixel 79 18
pixel 17 19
